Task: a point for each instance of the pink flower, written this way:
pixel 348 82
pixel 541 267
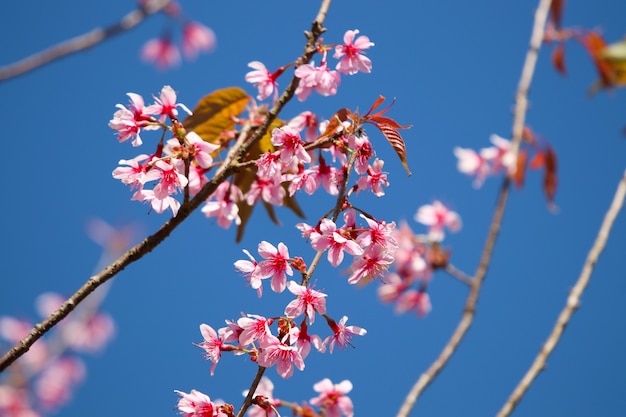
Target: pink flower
pixel 129 121
pixel 374 262
pixel 166 105
pixel 197 38
pixel 363 148
pixel 304 341
pixel 262 80
pixel 351 53
pixel 327 175
pixel 473 164
pixel 335 243
pixel 378 232
pixel 195 404
pixel 248 268
pixel 501 157
pixel 288 139
pixel 269 189
pixel 158 204
pixel 54 386
pixel 437 216
pixel 284 356
pixel 212 345
pixel 276 265
pixel 375 179
pixel 89 334
pixel 342 333
pixel 333 398
pixel 308 122
pixel 414 300
pixel 132 174
pixel 196 148
pixel 254 328
pixel 322 79
pixel 223 204
pixel 308 301
pixel 162 52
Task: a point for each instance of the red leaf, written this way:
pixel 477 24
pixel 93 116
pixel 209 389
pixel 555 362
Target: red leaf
pixel 558 59
pixel 336 121
pixel 520 172
pixel 550 179
pixel 538 160
pixel 556 12
pixel 396 141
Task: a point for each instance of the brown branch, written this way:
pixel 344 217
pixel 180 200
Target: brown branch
pixel 572 303
pixel 228 168
pixel 469 311
pixel 82 42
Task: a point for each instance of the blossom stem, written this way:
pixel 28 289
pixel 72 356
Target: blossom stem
pixel 248 400
pixel 458 274
pixel 82 42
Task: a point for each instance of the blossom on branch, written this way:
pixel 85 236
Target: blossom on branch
pixel 437 217
pixel 351 54
pixel 333 398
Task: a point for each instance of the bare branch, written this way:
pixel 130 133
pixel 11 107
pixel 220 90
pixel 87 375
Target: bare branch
pixel 519 115
pixel 228 168
pixel 82 42
pixel 571 305
pixel 458 274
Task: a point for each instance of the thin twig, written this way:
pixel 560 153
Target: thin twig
pixel 82 42
pixel 228 168
pixel 519 115
pixel 572 303
pixel 255 383
pixel 458 274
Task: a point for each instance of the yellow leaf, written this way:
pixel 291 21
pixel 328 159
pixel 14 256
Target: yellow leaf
pixel 214 113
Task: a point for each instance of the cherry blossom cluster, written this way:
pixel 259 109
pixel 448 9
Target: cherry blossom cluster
pixel 352 59
pixel 43 379
pixel 332 401
pixel 488 161
pixel 416 258
pixel 194 38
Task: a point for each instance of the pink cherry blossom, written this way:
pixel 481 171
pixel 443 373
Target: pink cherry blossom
pixel 165 105
pixel 162 52
pixel 473 164
pixel 290 143
pixel 501 157
pixel 342 333
pixel 330 239
pixel 128 122
pixel 375 179
pixel 364 151
pixel 374 262
pixel 379 232
pixel 195 404
pixel 263 80
pixel 14 402
pixel 284 356
pixel 304 179
pixel 437 217
pixel 195 148
pixel 333 399
pixel 55 384
pixel 327 175
pixel 322 79
pixel 276 265
pixel 213 344
pixel 307 122
pixel 133 173
pixel 223 204
pixel 305 340
pixel 269 190
pixel 254 328
pixel 307 301
pixel 197 38
pixel 414 300
pixel 89 334
pixel 248 268
pixel 158 204
pixel 351 53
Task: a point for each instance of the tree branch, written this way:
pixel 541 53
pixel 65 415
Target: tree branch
pixel 228 168
pixel 519 115
pixel 82 42
pixel 571 305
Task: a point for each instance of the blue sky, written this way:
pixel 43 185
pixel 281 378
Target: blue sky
pixel 453 69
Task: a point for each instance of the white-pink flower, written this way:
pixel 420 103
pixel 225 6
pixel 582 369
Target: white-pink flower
pixel 288 140
pixel 212 344
pixel 197 38
pixel 307 301
pixel 352 53
pixel 162 52
pixel 375 179
pixel 473 164
pixel 254 327
pixel 342 333
pixel 333 398
pixel 437 217
pixel 247 268
pixel 263 80
pixel 276 265
pixel 165 105
pixel 374 262
pixel 223 204
pixel 195 404
pixel 322 79
pixel 332 240
pixel 284 356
